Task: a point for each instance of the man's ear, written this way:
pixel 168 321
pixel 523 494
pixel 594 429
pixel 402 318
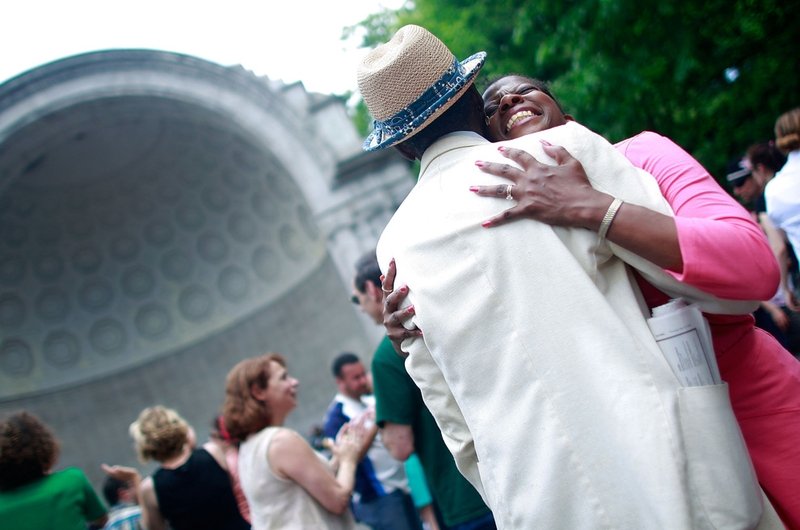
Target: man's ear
pixel 404 150
pixel 257 392
pixel 569 117
pixel 373 290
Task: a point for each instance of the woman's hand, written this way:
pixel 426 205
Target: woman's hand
pixel 123 473
pixel 352 441
pixel 393 318
pixel 778 316
pixel 556 195
pixel 562 196
pixel 791 301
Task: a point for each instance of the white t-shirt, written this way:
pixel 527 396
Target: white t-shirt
pixel 783 199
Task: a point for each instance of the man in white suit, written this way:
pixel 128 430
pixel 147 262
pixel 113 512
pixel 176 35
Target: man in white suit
pixel 536 361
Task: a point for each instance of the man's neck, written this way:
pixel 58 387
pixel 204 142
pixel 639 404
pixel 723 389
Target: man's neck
pixel 354 397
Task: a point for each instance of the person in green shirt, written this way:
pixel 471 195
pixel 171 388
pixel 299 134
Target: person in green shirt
pixel 406 424
pixel 32 497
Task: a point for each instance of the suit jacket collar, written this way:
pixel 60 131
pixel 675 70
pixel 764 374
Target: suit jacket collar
pixel 449 142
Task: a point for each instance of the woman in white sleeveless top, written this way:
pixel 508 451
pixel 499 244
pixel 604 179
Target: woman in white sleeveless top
pixel 287 484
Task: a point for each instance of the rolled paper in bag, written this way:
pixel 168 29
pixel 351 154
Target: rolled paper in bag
pixel 684 337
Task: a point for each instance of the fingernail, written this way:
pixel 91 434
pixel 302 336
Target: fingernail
pixel 473 188
pixel 479 163
pixel 403 288
pixel 410 310
pixel 501 148
pixel 391 260
pixel 545 142
pixel 486 224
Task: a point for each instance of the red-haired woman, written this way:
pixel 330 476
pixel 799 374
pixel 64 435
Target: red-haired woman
pixel 287 484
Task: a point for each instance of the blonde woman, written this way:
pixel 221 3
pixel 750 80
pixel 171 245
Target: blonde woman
pixel 287 484
pixel 191 490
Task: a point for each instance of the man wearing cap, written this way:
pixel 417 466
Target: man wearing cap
pixel 748 177
pixel 536 361
pixel 745 186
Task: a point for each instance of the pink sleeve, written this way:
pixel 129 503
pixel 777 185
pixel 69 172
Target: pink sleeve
pixel 724 251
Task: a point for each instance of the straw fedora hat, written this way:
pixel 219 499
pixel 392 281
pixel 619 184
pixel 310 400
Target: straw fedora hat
pixel 409 81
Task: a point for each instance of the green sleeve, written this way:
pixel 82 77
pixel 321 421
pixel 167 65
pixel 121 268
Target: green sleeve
pixel 93 507
pixel 397 399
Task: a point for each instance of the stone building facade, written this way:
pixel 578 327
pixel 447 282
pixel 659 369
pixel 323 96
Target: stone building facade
pixel 163 217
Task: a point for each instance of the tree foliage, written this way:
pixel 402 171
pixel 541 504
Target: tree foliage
pixel 711 75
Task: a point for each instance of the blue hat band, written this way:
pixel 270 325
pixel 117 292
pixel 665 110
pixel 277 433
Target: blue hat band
pixel 408 119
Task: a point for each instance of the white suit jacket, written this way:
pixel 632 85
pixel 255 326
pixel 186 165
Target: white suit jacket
pixel 538 365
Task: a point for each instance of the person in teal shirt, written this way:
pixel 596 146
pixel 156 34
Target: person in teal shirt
pixel 31 496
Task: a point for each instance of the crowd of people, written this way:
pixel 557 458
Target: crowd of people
pixel 251 471
pixel 748 178
pixel 515 285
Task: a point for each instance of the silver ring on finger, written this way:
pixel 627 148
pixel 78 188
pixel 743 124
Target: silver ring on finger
pixel 509 189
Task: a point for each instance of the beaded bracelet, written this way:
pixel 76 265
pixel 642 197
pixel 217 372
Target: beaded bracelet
pixel 605 224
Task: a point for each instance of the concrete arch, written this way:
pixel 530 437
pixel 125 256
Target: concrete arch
pixel 162 217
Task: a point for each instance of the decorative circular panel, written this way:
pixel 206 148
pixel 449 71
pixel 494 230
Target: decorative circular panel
pixel 95 295
pixel 61 349
pixel 16 358
pixel 124 248
pixel 52 304
pixel 153 321
pixel 108 336
pixel 176 265
pixel 195 303
pixel 216 199
pixel 233 283
pixel 212 247
pixel 48 267
pixel 12 311
pixel 190 218
pixel 158 233
pixel 137 281
pixel 86 260
pixel 15 235
pixel 12 269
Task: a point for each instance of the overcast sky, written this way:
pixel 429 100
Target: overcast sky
pixel 291 40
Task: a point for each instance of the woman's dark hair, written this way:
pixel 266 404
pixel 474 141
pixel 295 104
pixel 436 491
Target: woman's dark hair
pixel 28 450
pixel 367 270
pixel 767 154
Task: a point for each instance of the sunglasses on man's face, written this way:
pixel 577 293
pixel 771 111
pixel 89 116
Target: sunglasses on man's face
pixel 738 183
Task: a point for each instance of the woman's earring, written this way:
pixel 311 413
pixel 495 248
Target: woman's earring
pixel 487 120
